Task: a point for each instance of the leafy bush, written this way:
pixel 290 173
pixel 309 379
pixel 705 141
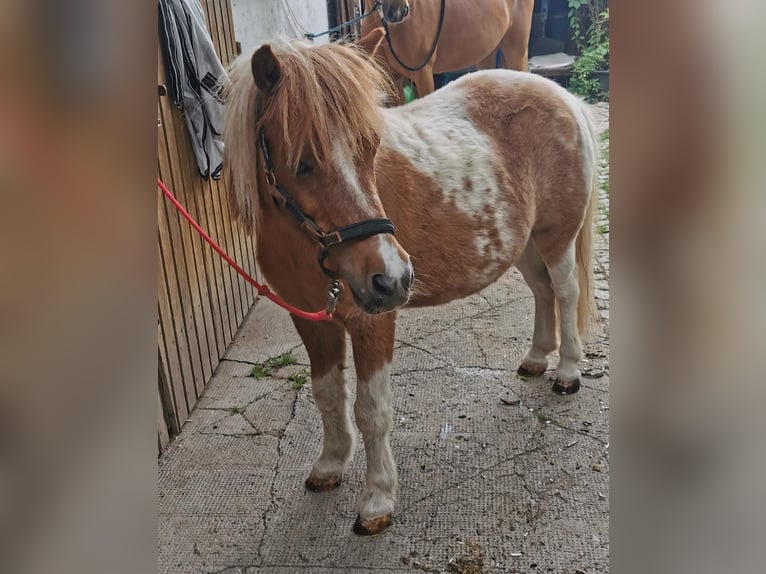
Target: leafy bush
pixel 593 45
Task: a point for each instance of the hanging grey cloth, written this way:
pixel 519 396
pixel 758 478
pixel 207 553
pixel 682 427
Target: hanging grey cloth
pixel 195 79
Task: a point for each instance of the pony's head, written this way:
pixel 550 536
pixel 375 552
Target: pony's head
pixel 394 11
pixel 318 110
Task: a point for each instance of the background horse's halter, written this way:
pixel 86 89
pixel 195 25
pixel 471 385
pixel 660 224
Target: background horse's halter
pixel 325 240
pixel 433 46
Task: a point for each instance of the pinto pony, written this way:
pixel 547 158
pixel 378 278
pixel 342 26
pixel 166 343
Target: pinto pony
pixel 496 169
pixel 470 34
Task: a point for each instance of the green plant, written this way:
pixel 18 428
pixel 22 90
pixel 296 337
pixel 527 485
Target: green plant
pixel 260 371
pixel 299 379
pixel 593 45
pixel 265 369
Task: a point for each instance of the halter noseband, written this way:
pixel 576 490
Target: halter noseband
pixel 325 240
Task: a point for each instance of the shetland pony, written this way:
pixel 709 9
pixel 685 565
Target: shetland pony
pixel 496 169
pixel 471 34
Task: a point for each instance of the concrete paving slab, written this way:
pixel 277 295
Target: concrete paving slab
pixel 496 473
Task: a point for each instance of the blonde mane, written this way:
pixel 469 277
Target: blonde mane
pixel 327 95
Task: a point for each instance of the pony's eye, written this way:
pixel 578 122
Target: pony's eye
pixel 304 168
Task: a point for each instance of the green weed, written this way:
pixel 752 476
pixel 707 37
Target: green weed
pixel 267 368
pixel 299 379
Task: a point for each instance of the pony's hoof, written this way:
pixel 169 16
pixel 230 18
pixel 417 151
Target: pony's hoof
pixel 373 526
pixel 531 370
pixel 322 484
pixel 569 388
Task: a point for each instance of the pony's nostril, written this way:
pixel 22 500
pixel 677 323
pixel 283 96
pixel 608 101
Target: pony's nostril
pixel 407 280
pixel 383 284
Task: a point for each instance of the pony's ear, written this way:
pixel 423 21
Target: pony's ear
pixel 266 68
pixel 372 41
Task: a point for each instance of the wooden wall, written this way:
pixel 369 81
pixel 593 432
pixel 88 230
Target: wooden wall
pixel 201 300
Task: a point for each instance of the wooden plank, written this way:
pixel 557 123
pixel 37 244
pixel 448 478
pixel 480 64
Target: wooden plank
pixel 171 319
pixel 185 180
pixel 223 273
pixel 218 233
pixel 232 249
pixel 214 274
pixel 216 30
pixel 187 304
pixel 212 28
pixel 247 244
pixel 163 436
pixel 173 413
pixel 221 27
pixel 198 279
pixel 227 44
pixel 180 258
pixel 236 49
pixel 233 244
pixel 247 263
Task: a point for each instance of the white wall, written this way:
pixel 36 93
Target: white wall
pixel 256 21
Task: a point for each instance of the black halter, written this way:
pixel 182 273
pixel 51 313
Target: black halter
pixel 325 240
pixel 433 45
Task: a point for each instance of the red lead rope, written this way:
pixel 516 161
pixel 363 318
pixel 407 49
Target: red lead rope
pixel 262 289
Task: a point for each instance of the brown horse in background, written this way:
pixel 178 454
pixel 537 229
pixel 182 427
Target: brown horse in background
pixel 471 34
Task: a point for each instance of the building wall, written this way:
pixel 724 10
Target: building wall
pixel 256 21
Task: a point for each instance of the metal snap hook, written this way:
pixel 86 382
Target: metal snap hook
pixel 334 290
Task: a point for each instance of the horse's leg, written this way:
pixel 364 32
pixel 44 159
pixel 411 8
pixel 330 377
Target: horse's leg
pixel 544 338
pixel 372 338
pixel 424 81
pixel 515 43
pixel 326 346
pixel 516 50
pixel 489 62
pixel 563 275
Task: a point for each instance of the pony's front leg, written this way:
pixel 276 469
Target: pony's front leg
pixel 326 346
pixel 372 338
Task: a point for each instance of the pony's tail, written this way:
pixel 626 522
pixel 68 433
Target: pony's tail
pixel 587 312
pixel 240 143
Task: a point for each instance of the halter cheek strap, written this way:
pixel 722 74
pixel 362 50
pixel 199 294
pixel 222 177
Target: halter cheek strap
pixel 325 240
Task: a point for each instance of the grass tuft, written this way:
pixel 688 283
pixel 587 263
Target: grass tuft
pixel 267 368
pixel 299 379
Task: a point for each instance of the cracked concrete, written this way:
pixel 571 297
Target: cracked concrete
pixel 497 474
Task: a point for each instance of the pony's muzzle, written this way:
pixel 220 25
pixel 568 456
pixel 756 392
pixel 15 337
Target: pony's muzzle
pixel 378 272
pixel 389 291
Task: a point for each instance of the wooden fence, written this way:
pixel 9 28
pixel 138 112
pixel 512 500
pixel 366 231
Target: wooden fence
pixel 201 301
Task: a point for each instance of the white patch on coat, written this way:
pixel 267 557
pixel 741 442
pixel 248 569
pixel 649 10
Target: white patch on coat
pixel 347 169
pixel 331 398
pixel 373 417
pixel 389 254
pixel 440 140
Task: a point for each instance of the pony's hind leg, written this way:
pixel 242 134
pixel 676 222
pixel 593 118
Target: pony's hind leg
pixel 567 290
pixel 536 276
pixel 372 338
pixel 326 346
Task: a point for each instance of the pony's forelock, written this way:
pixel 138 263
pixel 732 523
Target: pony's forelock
pixel 327 95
